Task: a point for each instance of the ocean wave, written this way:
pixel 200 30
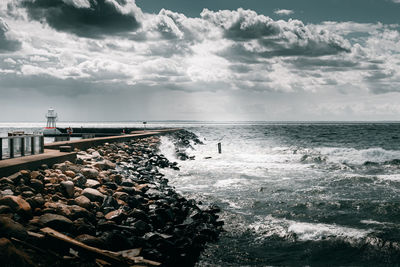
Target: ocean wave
pixel 305 231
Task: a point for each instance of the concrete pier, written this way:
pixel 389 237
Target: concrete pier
pixel 52 155
pixel 49 157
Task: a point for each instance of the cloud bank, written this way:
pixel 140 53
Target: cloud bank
pixel 70 48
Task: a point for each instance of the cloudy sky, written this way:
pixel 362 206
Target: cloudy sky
pixel 200 60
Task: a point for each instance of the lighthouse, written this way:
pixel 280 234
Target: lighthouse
pixel 51 119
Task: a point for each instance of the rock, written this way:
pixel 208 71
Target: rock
pixel 83 202
pixel 93 194
pixel 36 175
pixel 17 204
pixel 141 227
pixel 127 182
pixel 90 173
pixel 7 192
pixel 79 180
pixel 9 228
pixel 105 165
pixel 70 173
pixel 68 187
pixel 16 177
pixel 5 209
pixel 116 215
pixel 5 180
pixel 55 221
pixel 37 185
pixel 11 256
pixel 92 183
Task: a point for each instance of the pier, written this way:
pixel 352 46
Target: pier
pixel 51 153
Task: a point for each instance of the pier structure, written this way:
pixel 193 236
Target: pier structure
pixel 62 151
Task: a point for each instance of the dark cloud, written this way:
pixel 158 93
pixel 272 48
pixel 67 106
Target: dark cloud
pixel 86 18
pixel 7 43
pixel 263 37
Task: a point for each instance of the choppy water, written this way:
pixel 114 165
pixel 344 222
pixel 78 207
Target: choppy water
pixel 294 194
pixel 298 194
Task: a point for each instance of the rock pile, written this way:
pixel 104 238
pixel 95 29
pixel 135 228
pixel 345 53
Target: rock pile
pixel 112 198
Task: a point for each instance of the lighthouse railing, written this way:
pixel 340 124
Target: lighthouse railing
pixel 21 145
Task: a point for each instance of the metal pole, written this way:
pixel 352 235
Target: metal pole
pixel 41 144
pixel 22 146
pixel 11 147
pixel 219 148
pixel 1 148
pixel 32 145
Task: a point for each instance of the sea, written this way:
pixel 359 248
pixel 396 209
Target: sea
pixel 291 193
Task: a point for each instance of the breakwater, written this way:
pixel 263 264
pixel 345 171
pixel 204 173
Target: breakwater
pixel 114 200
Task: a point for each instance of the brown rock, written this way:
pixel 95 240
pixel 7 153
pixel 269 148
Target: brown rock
pixel 11 256
pixel 9 228
pixel 69 173
pixel 93 194
pixel 55 221
pixel 83 202
pixel 17 204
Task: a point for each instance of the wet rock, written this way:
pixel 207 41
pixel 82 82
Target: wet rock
pixel 68 188
pixel 93 194
pixel 55 221
pixel 90 173
pixel 17 204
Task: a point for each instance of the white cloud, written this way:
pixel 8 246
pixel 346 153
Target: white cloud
pixel 225 53
pixel 284 12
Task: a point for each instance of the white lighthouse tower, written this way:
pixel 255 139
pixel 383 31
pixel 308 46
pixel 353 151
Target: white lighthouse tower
pixel 51 119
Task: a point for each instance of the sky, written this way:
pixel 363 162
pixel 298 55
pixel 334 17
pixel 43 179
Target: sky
pixel 214 60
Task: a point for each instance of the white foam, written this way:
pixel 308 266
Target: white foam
pixel 270 226
pixel 358 156
pixel 319 231
pixel 389 177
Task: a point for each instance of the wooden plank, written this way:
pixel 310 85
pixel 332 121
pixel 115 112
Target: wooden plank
pixel 106 255
pixel 123 258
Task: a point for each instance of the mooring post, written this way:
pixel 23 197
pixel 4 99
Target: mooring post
pixel 22 146
pixel 11 147
pixel 219 148
pixel 41 144
pixel 1 148
pixel 32 145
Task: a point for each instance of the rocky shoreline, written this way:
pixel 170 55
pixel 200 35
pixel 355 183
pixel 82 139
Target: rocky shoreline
pixel 110 207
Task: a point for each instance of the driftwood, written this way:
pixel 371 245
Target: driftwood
pixel 122 258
